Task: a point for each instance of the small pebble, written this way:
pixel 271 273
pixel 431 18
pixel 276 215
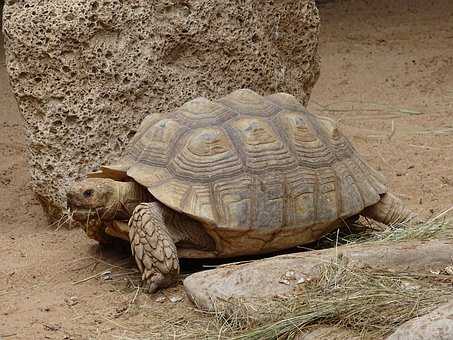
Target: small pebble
pixel 72 301
pixel 284 281
pixel 301 280
pixel 160 299
pixel 107 275
pixel 409 285
pixel 290 275
pixel 175 299
pixel 449 270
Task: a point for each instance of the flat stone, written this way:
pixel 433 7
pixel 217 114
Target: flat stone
pixel 86 72
pixel 280 275
pixel 437 325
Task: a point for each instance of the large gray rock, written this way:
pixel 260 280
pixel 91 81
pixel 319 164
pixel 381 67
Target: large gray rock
pixel 85 72
pixel 437 325
pixel 280 275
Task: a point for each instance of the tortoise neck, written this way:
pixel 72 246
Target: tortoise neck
pixel 129 195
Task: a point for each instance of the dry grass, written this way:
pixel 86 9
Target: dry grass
pixel 370 302
pixel 362 106
pixel 368 231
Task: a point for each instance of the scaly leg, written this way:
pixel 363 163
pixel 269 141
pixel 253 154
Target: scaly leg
pixel 152 246
pixel 390 210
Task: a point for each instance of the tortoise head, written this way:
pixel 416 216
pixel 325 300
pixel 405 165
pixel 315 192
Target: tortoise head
pixel 95 203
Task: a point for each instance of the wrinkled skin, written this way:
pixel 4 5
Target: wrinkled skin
pixel 115 211
pixel 97 202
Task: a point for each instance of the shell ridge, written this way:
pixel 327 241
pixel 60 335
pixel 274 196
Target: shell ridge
pixel 238 166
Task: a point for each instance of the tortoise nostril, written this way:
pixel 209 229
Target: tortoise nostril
pixel 88 193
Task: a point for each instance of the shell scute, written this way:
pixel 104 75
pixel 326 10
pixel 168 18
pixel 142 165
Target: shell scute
pixel 204 155
pixel 250 163
pixel 262 147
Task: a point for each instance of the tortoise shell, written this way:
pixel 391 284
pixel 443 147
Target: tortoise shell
pixel 251 168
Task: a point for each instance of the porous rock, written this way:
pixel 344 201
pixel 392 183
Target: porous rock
pixel 279 276
pixel 437 325
pixel 86 72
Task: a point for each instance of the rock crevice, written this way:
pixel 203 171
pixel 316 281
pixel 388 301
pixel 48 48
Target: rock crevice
pixel 85 73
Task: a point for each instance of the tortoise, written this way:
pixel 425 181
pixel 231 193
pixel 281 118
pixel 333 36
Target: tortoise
pixel 241 175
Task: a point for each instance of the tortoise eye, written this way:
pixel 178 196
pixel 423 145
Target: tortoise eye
pixel 88 193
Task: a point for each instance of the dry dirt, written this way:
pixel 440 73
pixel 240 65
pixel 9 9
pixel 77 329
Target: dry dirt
pixel 387 75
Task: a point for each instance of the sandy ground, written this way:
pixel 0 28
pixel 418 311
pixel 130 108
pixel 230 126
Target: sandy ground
pixel 387 75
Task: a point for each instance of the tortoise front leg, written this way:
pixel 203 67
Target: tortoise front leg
pixel 118 229
pixel 152 246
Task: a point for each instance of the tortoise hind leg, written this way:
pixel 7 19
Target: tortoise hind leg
pixel 152 246
pixel 390 210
